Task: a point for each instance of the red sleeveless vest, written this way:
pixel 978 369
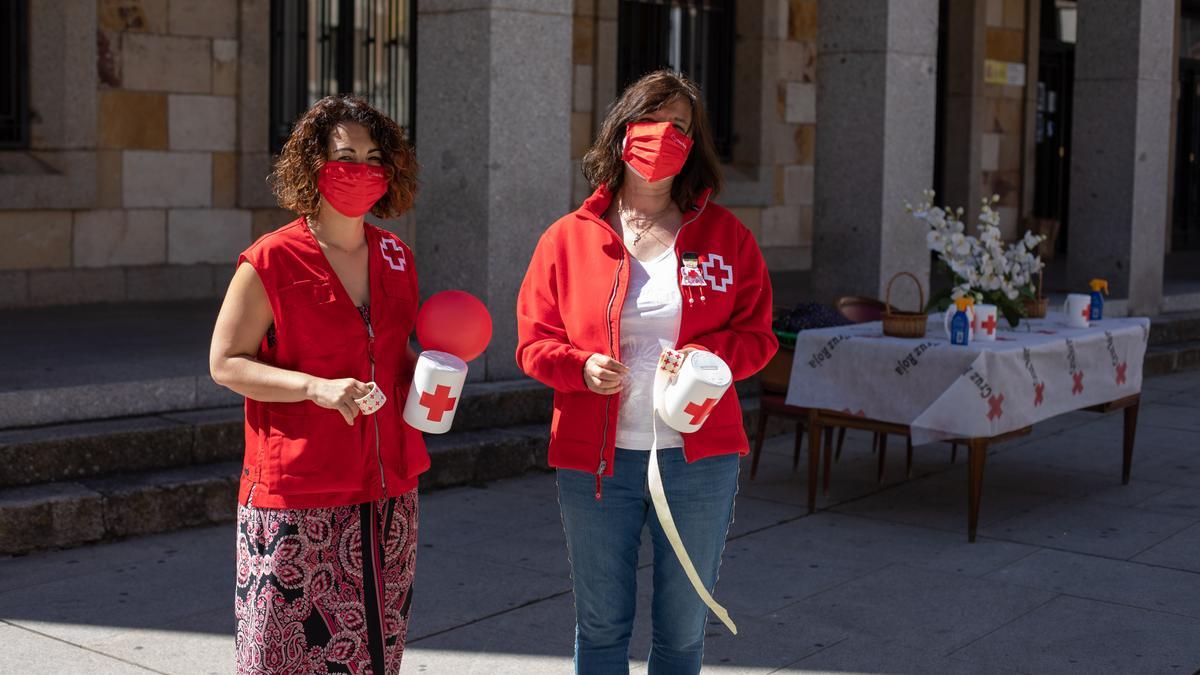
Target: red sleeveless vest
pixel 300 455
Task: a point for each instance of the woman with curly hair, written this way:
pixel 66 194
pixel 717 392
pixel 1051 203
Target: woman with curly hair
pixel 314 333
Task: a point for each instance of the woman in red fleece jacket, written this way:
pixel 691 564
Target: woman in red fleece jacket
pixel 603 297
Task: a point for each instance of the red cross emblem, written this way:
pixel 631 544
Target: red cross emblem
pixel 995 407
pixel 1039 390
pixel 699 412
pixel 439 402
pixel 1121 373
pixel 715 262
pixel 1078 388
pixel 989 325
pixel 1086 313
pixel 393 254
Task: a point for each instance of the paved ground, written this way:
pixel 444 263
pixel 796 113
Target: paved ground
pixel 1072 571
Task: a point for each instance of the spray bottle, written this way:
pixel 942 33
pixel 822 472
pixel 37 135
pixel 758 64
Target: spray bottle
pixel 1098 285
pixel 960 323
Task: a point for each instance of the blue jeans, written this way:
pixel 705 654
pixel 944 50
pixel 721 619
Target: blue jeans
pixel 603 538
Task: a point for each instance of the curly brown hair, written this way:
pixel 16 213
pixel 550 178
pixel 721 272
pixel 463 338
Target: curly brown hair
pixel 294 178
pixel 602 165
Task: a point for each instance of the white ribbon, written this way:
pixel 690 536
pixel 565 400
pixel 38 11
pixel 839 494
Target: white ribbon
pixel 659 496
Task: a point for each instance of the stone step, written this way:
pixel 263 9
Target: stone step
pixel 484 404
pixel 1175 327
pixel 70 513
pixel 79 507
pixel 75 450
pixel 1172 357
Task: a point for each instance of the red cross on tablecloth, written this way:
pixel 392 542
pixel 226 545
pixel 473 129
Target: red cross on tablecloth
pixel 1078 388
pixel 699 412
pixel 439 402
pixel 1039 391
pixel 996 407
pixel 1121 373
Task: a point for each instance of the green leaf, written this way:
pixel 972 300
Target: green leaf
pixel 1012 311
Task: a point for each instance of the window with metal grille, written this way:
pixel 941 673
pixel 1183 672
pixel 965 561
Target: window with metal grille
pixel 692 37
pixel 14 74
pixel 324 47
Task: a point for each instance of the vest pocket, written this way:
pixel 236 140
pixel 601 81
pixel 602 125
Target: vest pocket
pixel 305 307
pixel 316 452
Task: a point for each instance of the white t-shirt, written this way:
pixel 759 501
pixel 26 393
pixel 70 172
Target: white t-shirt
pixel 649 325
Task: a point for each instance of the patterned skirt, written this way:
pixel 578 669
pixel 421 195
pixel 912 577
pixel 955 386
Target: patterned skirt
pixel 325 590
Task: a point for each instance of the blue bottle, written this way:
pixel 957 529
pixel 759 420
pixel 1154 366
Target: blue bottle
pixel 960 324
pixel 1098 285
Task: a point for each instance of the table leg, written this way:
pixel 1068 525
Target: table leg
pixel 814 455
pixel 799 442
pixel 882 456
pixel 1131 417
pixel 976 457
pixel 828 458
pixel 758 442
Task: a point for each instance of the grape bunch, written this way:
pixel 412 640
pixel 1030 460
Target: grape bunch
pixel 809 315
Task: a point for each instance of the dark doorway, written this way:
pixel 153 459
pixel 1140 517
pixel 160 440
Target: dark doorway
pixel 1185 230
pixel 693 37
pixel 1056 78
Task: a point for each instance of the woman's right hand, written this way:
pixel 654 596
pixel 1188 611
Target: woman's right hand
pixel 338 395
pixel 604 375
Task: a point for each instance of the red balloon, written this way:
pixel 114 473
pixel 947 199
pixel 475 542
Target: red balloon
pixel 455 322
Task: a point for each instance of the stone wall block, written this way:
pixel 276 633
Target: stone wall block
pixel 208 18
pixel 106 238
pixel 202 122
pixel 166 179
pixel 134 16
pixel 780 226
pixel 225 67
pixel 207 235
pixel 35 239
pixel 134 120
pixel 167 63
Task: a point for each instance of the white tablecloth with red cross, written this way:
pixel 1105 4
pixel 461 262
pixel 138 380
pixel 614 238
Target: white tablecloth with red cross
pixel 1036 371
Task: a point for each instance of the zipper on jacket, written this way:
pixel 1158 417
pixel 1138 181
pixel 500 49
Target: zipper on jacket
pixel 612 351
pixel 374 419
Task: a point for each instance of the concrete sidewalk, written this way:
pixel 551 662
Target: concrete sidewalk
pixel 1072 571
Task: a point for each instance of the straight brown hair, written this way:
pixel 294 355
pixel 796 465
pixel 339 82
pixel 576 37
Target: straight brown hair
pixel 602 165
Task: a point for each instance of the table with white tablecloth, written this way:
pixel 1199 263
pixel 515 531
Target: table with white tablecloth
pixel 930 390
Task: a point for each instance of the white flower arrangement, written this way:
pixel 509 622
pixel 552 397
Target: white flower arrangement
pixel 982 267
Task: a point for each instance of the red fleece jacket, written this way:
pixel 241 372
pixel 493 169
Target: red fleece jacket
pixel 570 308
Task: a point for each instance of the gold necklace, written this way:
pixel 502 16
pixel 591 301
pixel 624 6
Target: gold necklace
pixel 650 219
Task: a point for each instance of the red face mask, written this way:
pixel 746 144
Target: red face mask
pixel 352 188
pixel 655 150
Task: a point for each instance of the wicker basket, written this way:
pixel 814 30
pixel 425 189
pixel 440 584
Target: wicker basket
pixel 1036 309
pixel 904 324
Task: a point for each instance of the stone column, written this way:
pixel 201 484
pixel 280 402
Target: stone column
pixel 962 152
pixel 876 79
pixel 1120 179
pixel 493 137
